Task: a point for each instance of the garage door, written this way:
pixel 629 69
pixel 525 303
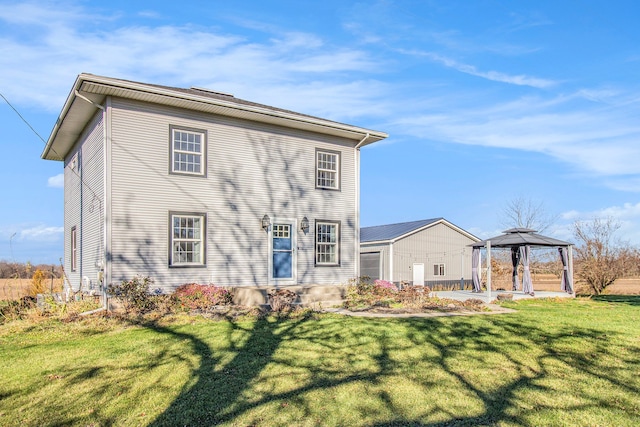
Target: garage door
pixel 370 264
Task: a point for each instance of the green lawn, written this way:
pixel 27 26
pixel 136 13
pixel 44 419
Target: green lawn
pixel 570 362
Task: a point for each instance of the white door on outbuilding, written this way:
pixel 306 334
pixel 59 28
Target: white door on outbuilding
pixel 418 274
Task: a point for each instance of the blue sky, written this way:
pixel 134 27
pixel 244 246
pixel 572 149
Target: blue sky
pixel 484 101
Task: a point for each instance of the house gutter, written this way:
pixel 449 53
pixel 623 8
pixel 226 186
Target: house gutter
pixel 356 160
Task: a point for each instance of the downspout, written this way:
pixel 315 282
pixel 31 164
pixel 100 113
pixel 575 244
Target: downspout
pixel 356 157
pixel 105 304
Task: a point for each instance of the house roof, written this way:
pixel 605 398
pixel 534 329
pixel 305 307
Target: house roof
pixel 516 237
pixel 89 92
pixel 393 232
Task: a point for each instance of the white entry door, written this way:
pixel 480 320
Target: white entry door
pixel 418 274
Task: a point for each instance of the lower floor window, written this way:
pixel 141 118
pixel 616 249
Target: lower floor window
pixel 438 269
pixel 327 243
pixel 187 239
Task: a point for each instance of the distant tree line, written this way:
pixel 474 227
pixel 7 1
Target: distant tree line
pixel 18 270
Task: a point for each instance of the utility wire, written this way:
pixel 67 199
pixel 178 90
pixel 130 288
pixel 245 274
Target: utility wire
pixel 23 119
pixel 95 195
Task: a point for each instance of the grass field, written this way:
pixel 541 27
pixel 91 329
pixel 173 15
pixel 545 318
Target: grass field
pixel 11 289
pixel 16 288
pixel 552 363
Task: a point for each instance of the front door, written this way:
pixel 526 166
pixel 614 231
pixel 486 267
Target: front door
pixel 282 252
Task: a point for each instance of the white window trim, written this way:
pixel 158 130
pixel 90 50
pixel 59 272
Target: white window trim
pixel 337 243
pixel 336 171
pixel 442 269
pixel 202 154
pixel 202 239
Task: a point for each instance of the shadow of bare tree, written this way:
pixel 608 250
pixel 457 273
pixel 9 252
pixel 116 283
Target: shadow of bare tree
pixel 490 380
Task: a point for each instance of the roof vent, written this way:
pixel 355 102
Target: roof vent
pixel 215 92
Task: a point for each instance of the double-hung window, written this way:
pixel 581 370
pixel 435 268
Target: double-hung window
pixel 327 243
pixel 438 269
pixel 328 169
pixel 187 239
pixel 188 151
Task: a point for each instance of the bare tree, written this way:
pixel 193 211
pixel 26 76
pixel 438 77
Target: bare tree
pixel 600 257
pixel 523 212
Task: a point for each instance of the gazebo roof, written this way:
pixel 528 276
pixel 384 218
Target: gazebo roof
pixel 517 237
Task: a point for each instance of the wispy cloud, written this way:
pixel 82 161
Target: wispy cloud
pixel 65 42
pixel 626 215
pixel 595 137
pixel 56 181
pixel 497 76
pixel 31 232
pixel 41 232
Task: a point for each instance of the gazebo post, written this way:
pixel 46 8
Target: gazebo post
pixel 488 270
pixel 573 283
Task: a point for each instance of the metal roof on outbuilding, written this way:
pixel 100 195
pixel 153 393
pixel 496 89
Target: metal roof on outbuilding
pixel 392 232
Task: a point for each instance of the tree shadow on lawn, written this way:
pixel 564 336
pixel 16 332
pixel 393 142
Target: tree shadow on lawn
pixel 623 299
pixel 215 393
pixel 506 404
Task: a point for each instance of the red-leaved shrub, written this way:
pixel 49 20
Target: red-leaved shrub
pixel 194 296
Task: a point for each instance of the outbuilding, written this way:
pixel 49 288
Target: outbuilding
pixel 432 252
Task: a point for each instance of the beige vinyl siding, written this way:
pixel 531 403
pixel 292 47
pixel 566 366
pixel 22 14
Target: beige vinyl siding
pixel 439 244
pixel 83 205
pixel 253 169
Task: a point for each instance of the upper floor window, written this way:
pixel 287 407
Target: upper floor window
pixel 328 169
pixel 187 239
pixel 188 151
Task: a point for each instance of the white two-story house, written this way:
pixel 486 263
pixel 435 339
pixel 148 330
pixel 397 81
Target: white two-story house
pixel 192 185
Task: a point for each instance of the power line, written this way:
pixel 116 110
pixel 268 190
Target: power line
pixel 23 119
pixel 95 195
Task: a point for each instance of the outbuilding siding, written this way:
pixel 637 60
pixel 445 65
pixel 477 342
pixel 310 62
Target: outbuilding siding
pixel 434 245
pixel 383 249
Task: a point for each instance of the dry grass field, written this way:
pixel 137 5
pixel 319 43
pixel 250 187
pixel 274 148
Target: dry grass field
pixel 11 289
pixel 549 282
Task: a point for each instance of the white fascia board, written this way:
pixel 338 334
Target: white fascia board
pixel 89 83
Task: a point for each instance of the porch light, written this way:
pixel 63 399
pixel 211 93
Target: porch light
pixel 304 224
pixel 266 222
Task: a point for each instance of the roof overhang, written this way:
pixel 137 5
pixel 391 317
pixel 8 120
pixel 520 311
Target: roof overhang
pixel 521 237
pixel 77 112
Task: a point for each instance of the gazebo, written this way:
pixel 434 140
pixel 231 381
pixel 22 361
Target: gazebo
pixel 520 241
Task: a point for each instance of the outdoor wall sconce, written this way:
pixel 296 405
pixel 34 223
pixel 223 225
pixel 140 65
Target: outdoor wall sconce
pixel 304 224
pixel 266 222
